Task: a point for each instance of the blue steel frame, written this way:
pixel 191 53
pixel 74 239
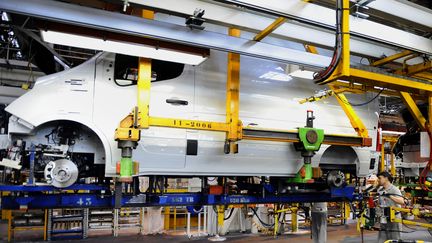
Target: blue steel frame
pixel 34 199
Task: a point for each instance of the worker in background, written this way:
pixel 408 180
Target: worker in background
pixel 319 222
pixel 389 195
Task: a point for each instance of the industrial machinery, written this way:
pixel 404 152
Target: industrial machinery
pixel 118 117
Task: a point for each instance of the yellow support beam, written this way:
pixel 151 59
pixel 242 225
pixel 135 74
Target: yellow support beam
pixel 362 88
pixel 414 110
pixel 391 58
pixel 344 67
pixel 261 35
pixel 354 119
pixel 429 99
pixel 276 220
pixel 424 75
pixel 233 95
pixel 189 124
pixel 382 164
pixel 147 14
pixel 415 69
pixel 386 81
pixel 143 86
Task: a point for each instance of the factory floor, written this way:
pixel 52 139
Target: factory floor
pixel 343 234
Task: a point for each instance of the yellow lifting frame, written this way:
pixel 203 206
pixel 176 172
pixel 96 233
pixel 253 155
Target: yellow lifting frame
pixel 354 119
pixel 139 118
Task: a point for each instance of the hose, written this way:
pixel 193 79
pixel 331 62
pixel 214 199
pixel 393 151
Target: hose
pixel 230 214
pixel 259 219
pixel 325 74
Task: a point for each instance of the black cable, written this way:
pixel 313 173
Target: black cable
pixel 320 77
pixel 400 231
pixel 392 194
pixel 413 229
pixel 264 224
pixel 361 104
pixel 230 214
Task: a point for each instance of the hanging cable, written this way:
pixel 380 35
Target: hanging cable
pixel 361 104
pixel 230 214
pixel 323 75
pixel 259 219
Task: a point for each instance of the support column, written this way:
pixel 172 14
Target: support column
pixel 232 98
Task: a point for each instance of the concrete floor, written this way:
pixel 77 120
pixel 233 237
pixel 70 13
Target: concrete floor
pixel 336 234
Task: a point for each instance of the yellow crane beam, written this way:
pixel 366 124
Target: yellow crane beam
pixel 415 69
pixel 265 32
pixel 414 110
pixel 391 58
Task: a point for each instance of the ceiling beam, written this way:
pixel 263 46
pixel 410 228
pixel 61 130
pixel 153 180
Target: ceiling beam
pixel 135 26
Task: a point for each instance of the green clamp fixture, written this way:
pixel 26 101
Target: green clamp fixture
pixel 310 141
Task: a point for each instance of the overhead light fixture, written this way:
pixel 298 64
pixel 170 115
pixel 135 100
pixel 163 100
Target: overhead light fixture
pixel 302 74
pixel 392 132
pixel 276 76
pixel 126 48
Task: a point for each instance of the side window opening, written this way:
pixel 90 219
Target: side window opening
pixel 126 70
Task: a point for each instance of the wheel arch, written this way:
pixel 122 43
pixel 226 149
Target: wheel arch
pixel 90 125
pixel 337 157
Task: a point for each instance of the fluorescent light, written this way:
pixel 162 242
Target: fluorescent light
pixel 131 49
pixel 302 74
pixel 393 132
pixel 276 76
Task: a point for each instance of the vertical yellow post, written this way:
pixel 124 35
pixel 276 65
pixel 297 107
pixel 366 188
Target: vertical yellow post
pixel 144 83
pixel 276 220
pixel 167 218
pixel 345 38
pixel 221 215
pixel 429 110
pixel 347 212
pixel 45 223
pixel 382 165
pixel 392 161
pixel 294 219
pixel 9 218
pixel 233 94
pixel 175 219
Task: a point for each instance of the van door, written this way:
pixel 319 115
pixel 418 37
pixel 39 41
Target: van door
pixel 160 149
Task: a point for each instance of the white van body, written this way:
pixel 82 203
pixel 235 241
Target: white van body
pixel 87 94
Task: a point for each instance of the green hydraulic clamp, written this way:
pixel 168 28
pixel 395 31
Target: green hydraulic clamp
pixel 310 141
